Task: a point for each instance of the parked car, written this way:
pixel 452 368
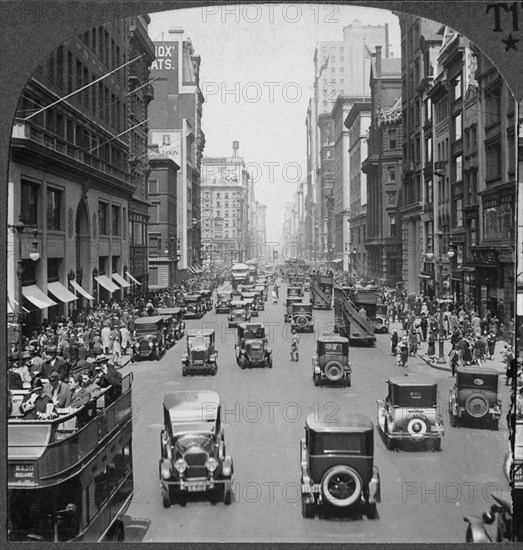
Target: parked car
pixel 149 337
pixel 337 466
pixel 239 313
pixel 301 317
pixel 223 302
pixel 194 306
pixel 331 363
pixel 475 397
pixel 287 316
pixel 252 347
pixel 381 322
pixel 410 412
pixel 194 457
pixel 206 294
pixel 201 356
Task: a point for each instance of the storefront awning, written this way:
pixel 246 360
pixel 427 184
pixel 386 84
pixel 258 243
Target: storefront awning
pixel 426 276
pixel 11 309
pixel 79 289
pixel 37 297
pixel 59 291
pixel 120 280
pixel 133 279
pixel 106 283
pixel 191 269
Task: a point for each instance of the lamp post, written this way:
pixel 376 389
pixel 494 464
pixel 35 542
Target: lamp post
pixel 17 229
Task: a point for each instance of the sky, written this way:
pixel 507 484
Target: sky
pixel 256 76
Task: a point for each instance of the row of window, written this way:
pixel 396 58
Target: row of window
pixel 217 195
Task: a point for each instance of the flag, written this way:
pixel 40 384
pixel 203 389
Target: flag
pixel 324 66
pixel 366 51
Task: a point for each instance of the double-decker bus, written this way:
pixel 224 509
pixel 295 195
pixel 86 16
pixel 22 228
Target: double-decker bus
pixel 71 478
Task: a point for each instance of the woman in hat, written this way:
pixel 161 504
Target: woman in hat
pixel 394 341
pixel 403 352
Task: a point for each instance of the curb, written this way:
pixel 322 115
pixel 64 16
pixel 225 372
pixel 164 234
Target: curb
pixel 430 362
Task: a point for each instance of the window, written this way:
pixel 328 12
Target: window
pixel 153 275
pixel 456 85
pixel 428 109
pixel 103 225
pixel 493 106
pixel 154 212
pixel 124 226
pixel 54 209
pixel 392 225
pixel 428 150
pixel 153 187
pixel 459 212
pixel 493 152
pixel 392 138
pixel 429 230
pixel 458 127
pixel 29 203
pixel 429 192
pixel 166 140
pixel 458 168
pixel 391 173
pixel 115 219
pixel 473 231
pixel 155 244
pixel 497 220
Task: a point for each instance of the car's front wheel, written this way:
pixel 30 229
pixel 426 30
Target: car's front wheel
pixel 436 444
pixel 307 506
pixel 341 486
pixel 316 378
pixel 372 510
pixel 166 499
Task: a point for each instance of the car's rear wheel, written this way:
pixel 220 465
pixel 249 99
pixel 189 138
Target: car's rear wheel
pixel 214 369
pixel 418 427
pixel 334 371
pixel 184 371
pixel 307 506
pixel 316 378
pixel 243 362
pixel 436 444
pixel 453 419
pixel 390 443
pixel 372 510
pixel 341 486
pixel 166 498
pixel 476 405
pixel 495 424
pixel 269 361
pixel 348 381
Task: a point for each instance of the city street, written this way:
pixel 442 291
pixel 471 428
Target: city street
pixel 424 494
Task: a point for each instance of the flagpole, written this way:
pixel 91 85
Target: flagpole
pixel 363 59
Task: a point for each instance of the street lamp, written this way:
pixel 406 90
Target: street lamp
pixel 17 229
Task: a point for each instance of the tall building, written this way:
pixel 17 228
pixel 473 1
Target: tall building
pixel 175 127
pixel 383 168
pixel 72 179
pixel 224 200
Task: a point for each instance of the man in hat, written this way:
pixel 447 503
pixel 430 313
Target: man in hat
pixel 56 363
pixel 80 396
pixel 37 405
pixel 58 391
pixel 14 380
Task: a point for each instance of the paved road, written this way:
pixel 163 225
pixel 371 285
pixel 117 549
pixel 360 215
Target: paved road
pixel 424 494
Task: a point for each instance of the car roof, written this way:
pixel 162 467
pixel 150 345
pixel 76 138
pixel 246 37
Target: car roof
pixel 238 302
pixel 193 295
pixel 196 333
pixel 148 320
pixel 250 326
pixel 477 370
pixel 412 380
pixel 169 310
pixel 303 304
pixel 335 339
pixel 344 422
pixel 192 405
pixel 248 294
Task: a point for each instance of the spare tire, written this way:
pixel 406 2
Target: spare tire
pixel 341 486
pixel 476 405
pixel 334 371
pixel 301 321
pixel 379 323
pixel 418 426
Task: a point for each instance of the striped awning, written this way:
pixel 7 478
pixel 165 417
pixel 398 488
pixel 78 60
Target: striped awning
pixel 120 280
pixel 60 292
pixel 133 279
pixel 37 297
pixel 82 291
pixel 191 269
pixel 106 283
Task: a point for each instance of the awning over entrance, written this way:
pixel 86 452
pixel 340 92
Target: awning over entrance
pixel 120 280
pixel 106 283
pixel 133 279
pixel 37 297
pixel 79 289
pixel 61 292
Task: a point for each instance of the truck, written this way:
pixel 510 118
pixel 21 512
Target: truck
pixel 321 290
pixel 239 275
pixel 348 320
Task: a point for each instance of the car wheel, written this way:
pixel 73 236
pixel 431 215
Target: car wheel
pixel 495 425
pixel 418 426
pixel 372 510
pixel 269 361
pixel 316 378
pixel 348 381
pixel 476 405
pixel 390 443
pixel 214 370
pixel 436 444
pixel 166 499
pixel 184 371
pixel 453 420
pixel 334 371
pixel 341 486
pixel 307 506
pixel 243 362
pixel 157 353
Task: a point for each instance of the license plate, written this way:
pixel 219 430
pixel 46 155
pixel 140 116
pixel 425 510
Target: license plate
pixel 199 487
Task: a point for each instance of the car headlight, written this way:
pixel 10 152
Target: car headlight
pixel 211 464
pixel 151 345
pixel 180 465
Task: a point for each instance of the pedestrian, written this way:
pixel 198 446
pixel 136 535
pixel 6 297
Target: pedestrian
pixel 116 346
pixel 431 350
pixel 424 326
pixel 403 352
pixel 478 350
pixel 294 346
pixel 413 342
pixel 106 339
pixel 510 364
pixel 491 344
pixel 394 342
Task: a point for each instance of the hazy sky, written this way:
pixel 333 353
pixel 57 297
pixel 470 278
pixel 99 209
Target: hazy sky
pixel 257 74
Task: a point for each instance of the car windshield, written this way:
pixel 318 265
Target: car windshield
pixel 301 309
pixel 254 333
pixel 186 442
pixel 477 380
pixel 331 347
pixel 146 329
pixel 341 443
pixel 415 396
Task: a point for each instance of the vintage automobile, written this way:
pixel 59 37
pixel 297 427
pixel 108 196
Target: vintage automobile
pixel 301 317
pixel 253 300
pixel 337 466
pixel 262 290
pixel 149 337
pixel 410 412
pixel 168 330
pixel 194 458
pixel 177 314
pixel 260 298
pixel 381 322
pixel 475 397
pixel 206 294
pixel 331 364
pixel 245 288
pixel 252 348
pixel 223 302
pixel 240 313
pixel 201 356
pixel 287 316
pixel 294 291
pixel 194 306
